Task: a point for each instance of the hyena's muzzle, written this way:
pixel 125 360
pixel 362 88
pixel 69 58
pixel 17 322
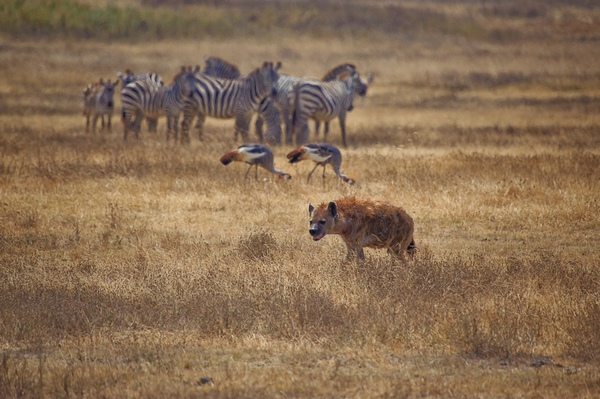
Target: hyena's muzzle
pixel 317 230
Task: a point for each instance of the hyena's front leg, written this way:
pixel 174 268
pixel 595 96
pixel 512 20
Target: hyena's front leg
pixel 354 251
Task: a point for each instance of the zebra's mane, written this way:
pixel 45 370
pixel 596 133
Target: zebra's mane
pixel 343 75
pixel 335 71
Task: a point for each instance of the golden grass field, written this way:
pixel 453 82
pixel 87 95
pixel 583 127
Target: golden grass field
pixel 135 269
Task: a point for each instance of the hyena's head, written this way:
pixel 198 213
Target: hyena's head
pixel 322 219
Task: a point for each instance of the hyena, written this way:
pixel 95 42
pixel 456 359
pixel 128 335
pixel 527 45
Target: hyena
pixel 364 223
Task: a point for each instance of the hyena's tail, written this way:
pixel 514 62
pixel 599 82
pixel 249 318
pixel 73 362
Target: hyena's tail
pixel 412 248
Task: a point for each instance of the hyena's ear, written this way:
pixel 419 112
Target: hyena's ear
pixel 332 209
pixel 311 208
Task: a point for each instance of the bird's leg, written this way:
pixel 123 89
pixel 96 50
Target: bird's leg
pixel 324 165
pixel 248 171
pixel 311 172
pixel 256 172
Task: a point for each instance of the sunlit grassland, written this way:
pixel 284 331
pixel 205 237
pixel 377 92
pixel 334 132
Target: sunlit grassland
pixel 134 269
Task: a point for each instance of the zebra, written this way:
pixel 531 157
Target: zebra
pixel 220 68
pixel 273 109
pixel 229 98
pixel 90 90
pixel 283 105
pixel 129 76
pixel 360 87
pixel 145 97
pixel 98 102
pixel 322 101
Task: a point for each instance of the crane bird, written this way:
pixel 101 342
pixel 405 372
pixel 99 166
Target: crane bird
pixel 255 155
pixel 322 154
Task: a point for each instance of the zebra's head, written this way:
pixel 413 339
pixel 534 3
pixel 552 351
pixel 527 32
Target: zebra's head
pixel 270 76
pixel 361 84
pixel 217 67
pixel 129 76
pixel 185 79
pixel 106 92
pixel 126 77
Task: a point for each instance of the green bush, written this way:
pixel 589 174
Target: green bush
pixel 69 18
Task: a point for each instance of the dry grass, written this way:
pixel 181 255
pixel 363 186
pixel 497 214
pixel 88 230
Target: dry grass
pixel 134 269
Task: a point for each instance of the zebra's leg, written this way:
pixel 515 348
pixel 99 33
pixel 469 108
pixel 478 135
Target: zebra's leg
pixel 126 117
pixel 188 116
pixel 136 129
pixel 288 127
pixel 87 123
pixel 94 121
pixel 343 128
pixel 152 124
pixel 175 124
pixel 198 122
pixel 200 126
pixel 302 134
pixel 169 127
pixel 273 135
pixel 258 128
pixel 272 117
pixel 109 117
pixel 102 116
pixel 326 131
pixel 317 127
pixel 242 125
pixel 137 123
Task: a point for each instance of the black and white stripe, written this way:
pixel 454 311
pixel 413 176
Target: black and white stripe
pixel 360 86
pixel 129 76
pixel 219 68
pixel 322 101
pixel 145 97
pixel 282 106
pixel 98 102
pixel 229 98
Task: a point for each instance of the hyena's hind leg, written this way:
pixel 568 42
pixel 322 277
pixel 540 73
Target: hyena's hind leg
pixel 401 249
pixel 412 248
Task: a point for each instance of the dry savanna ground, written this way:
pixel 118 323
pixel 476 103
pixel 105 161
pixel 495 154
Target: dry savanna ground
pixel 142 269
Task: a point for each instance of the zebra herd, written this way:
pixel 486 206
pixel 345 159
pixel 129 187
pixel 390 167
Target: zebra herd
pixel 220 91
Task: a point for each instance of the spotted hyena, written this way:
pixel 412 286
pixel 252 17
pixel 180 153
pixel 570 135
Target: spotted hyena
pixel 364 223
